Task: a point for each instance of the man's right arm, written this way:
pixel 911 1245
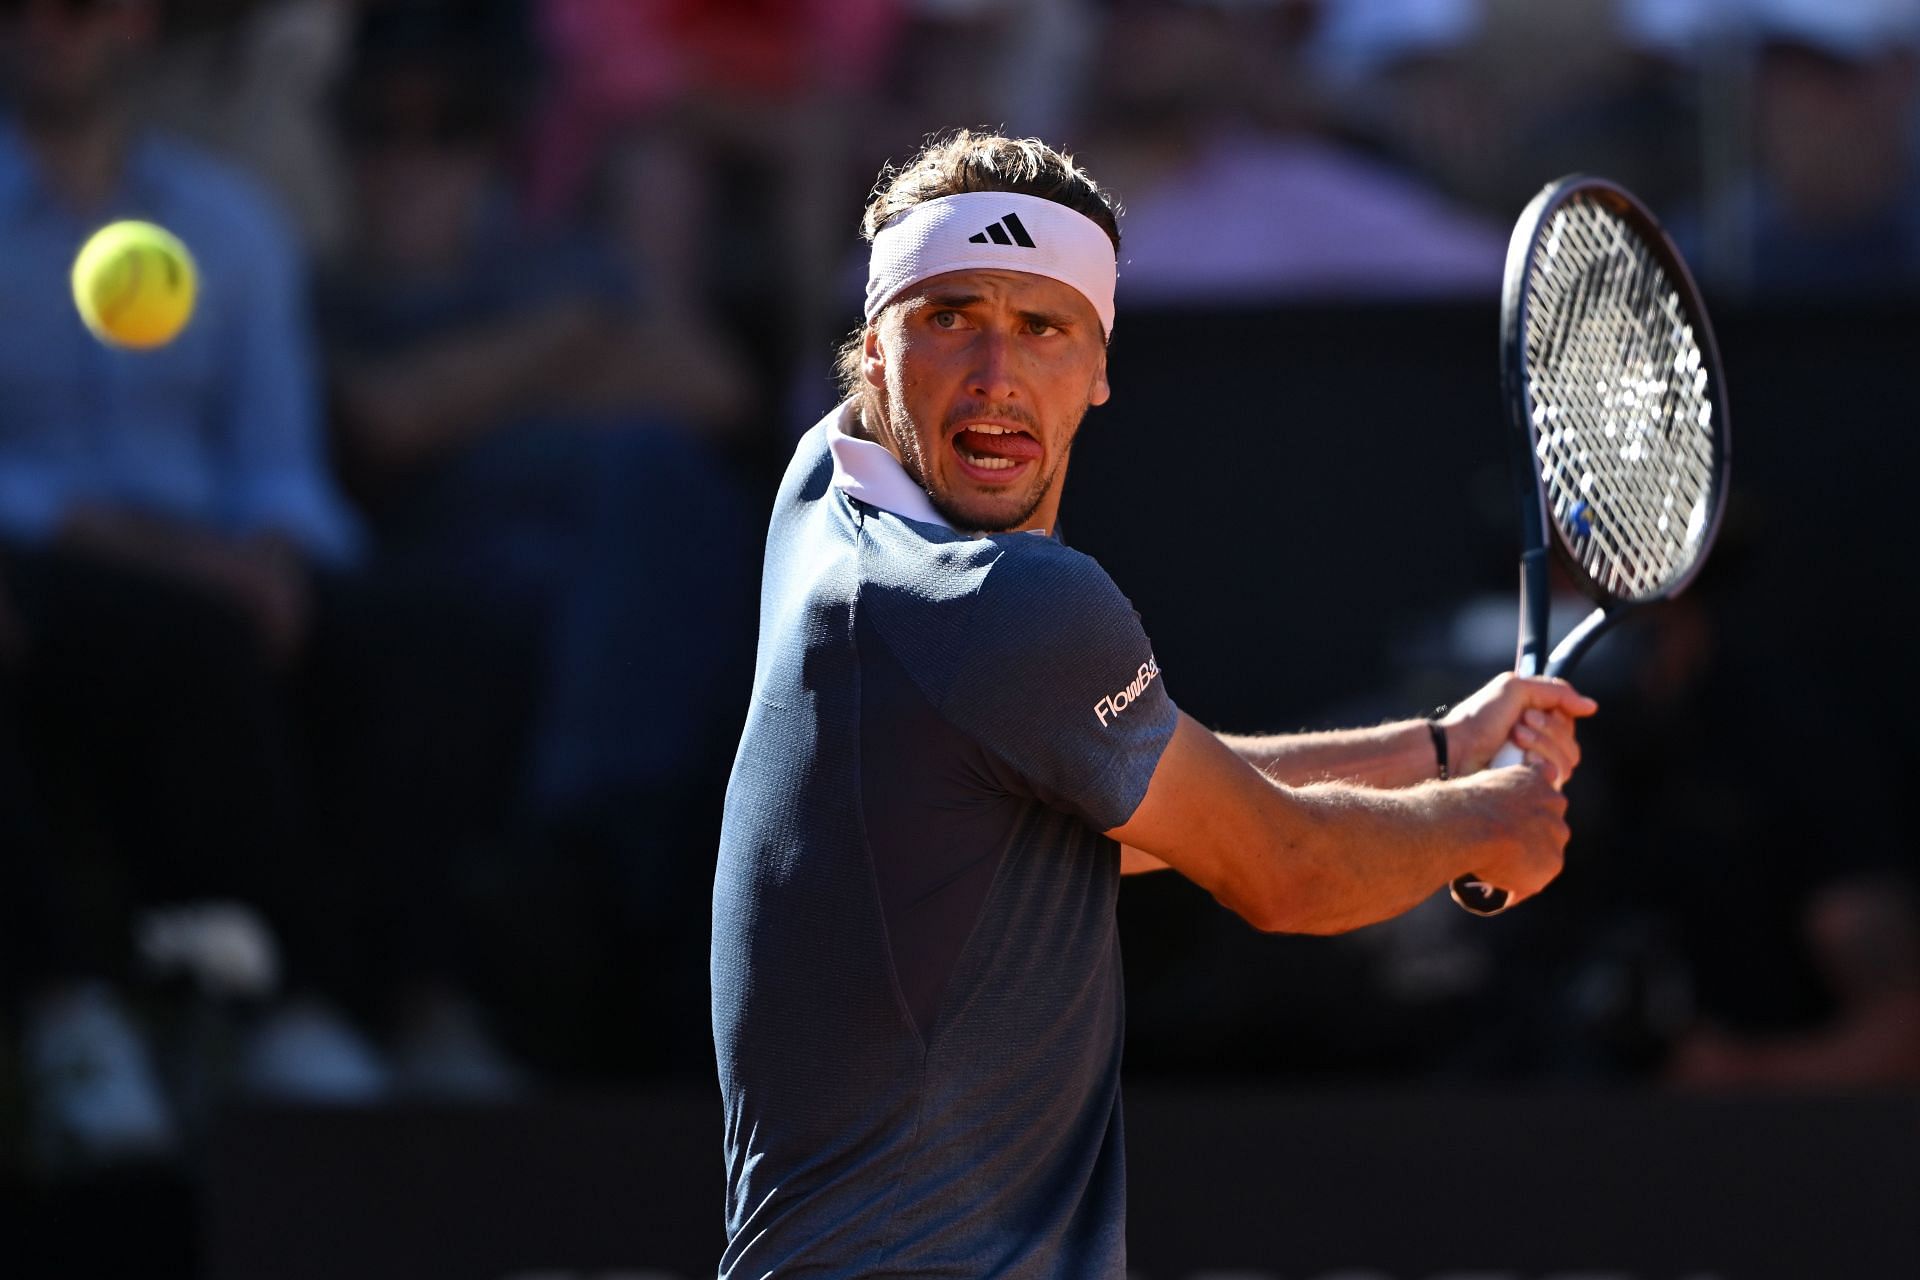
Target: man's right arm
pixel 1331 857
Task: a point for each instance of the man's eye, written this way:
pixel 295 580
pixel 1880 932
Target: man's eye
pixel 946 319
pixel 1039 328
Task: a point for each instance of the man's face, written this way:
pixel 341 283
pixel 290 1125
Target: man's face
pixel 64 58
pixel 1806 100
pixel 984 377
pixel 425 166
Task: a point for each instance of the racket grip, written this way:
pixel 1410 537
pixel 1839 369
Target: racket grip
pixel 1479 897
pixel 1473 894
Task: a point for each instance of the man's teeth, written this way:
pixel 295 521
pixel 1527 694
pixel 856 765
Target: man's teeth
pixel 988 462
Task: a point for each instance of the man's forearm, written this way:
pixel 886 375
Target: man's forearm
pixel 420 404
pixel 1388 755
pixel 1337 855
pixel 1372 854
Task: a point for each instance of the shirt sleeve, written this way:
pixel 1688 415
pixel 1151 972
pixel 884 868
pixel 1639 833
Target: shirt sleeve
pixel 1059 681
pixel 278 476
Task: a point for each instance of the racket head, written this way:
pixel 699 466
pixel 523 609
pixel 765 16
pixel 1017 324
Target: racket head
pixel 1615 394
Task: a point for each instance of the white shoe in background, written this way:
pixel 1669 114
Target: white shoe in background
pixel 94 1096
pixel 444 1053
pixel 306 1052
pixel 226 948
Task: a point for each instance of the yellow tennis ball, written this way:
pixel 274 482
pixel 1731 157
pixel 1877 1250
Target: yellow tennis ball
pixel 134 284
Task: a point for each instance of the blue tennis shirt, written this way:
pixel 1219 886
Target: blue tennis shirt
pixel 917 1007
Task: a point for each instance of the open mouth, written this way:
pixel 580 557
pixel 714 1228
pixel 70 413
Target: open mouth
pixel 995 454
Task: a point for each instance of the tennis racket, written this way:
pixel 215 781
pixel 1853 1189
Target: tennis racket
pixel 1619 422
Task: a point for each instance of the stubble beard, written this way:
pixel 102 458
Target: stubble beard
pixel 908 439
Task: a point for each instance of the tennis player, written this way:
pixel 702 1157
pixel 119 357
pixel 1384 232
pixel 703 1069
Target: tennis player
pixel 960 740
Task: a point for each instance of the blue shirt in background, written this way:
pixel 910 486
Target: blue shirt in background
pixel 221 428
pixel 916 975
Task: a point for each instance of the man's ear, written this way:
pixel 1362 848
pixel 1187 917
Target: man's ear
pixel 1101 392
pixel 873 359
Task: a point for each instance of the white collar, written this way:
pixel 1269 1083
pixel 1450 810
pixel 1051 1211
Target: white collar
pixel 865 470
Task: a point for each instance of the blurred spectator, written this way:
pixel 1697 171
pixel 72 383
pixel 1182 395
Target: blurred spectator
pixel 1836 216
pixel 1021 66
pixel 1488 100
pixel 1676 28
pixel 1405 77
pixel 534 434
pixel 1864 933
pixel 1234 193
pixel 251 79
pixel 159 516
pixel 453 318
pixel 1811 216
pixel 710 138
pixel 1354 39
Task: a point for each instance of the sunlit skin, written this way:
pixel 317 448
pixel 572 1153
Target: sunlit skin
pixel 987 349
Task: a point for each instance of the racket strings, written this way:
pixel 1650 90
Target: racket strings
pixel 1607 352
pixel 1623 413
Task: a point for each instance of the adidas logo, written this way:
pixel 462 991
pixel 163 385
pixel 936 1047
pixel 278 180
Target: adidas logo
pixel 1006 231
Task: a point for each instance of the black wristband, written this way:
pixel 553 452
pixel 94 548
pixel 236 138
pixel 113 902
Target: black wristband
pixel 1439 734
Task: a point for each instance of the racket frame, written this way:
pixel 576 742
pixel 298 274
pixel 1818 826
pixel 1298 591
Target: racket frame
pixel 1540 539
pixel 1538 532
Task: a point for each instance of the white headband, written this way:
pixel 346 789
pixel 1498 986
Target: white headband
pixel 993 229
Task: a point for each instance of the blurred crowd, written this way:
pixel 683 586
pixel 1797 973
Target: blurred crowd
pixel 370 658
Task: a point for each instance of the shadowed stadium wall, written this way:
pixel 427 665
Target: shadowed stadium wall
pixel 1285 495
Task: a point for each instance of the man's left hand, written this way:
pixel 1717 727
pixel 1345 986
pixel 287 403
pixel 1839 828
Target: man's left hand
pixel 1535 714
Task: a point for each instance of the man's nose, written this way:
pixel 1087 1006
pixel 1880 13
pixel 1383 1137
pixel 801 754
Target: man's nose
pixel 992 376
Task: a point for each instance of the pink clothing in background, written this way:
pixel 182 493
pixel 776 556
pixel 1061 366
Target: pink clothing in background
pixel 1253 218
pixel 619 63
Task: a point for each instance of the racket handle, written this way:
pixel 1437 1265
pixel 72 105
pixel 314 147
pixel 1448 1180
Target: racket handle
pixel 1479 897
pixel 1473 894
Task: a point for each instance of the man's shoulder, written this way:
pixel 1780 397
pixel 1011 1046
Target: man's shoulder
pixel 1047 585
pixel 809 471
pixel 1007 597
pixel 1053 652
pixel 921 583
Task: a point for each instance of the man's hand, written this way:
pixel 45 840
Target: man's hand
pixel 1516 822
pixel 262 576
pixel 265 576
pixel 1534 713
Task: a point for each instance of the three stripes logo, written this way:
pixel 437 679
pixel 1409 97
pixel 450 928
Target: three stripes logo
pixel 1006 231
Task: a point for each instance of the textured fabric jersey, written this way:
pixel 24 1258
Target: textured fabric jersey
pixel 916 980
